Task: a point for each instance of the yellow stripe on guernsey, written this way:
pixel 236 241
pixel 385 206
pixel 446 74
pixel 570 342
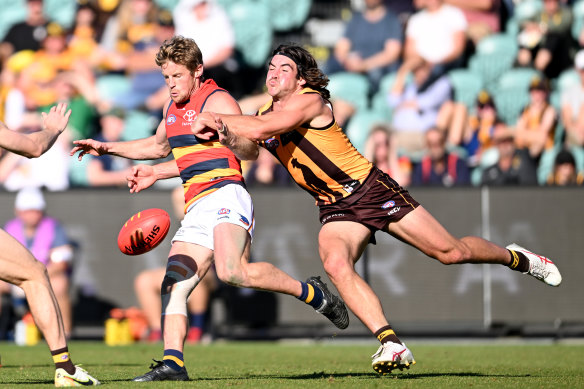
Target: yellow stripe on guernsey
pixel 175 359
pixel 210 175
pixel 179 152
pixel 384 334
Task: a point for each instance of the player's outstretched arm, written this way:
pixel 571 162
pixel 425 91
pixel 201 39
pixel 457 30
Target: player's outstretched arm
pixel 37 143
pixel 144 176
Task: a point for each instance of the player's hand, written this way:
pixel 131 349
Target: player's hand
pixel 89 146
pixel 57 118
pixel 143 176
pixel 205 125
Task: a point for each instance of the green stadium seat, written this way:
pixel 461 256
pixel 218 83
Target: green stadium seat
pixel 489 157
pixel 490 67
pixel 138 125
pixel 466 84
pixel 499 44
pixel 566 79
pixel 379 99
pixel 527 9
pixel 578 18
pixel 60 11
pixel 510 102
pixel 360 125
pixel 350 87
pixel 78 172
pixel 112 85
pixel 253 31
pixel 517 78
pixel 166 4
pixel 13 11
pixel 286 15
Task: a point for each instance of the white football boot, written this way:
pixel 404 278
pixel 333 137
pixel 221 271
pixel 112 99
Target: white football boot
pixel 80 378
pixel 391 356
pixel 540 267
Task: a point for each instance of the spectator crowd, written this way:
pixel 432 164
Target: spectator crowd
pixel 439 92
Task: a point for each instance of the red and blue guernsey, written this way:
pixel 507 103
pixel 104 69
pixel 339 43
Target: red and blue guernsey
pixel 204 166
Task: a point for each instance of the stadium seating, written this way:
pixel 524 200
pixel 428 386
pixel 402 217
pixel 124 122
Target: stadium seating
pixel 12 12
pixel 286 15
pixel 379 99
pixel 350 87
pixel 578 18
pixel 253 31
pixel 138 125
pixel 166 4
pixel 467 85
pixel 360 125
pixel 527 9
pixel 501 44
pixel 546 162
pixel 111 85
pixel 60 11
pixel 517 78
pixel 488 158
pixel 490 67
pixel 566 79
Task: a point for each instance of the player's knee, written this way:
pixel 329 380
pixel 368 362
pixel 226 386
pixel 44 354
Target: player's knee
pixel 456 255
pixel 231 277
pixel 337 266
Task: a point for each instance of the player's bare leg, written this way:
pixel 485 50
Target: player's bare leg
pixel 19 267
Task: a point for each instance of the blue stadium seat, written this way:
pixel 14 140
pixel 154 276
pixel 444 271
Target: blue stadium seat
pixel 489 157
pixel 286 15
pixel 527 9
pixel 350 87
pixel 166 4
pixel 78 172
pixel 360 125
pixel 253 31
pixel 517 78
pixel 466 84
pixel 379 99
pixel 566 79
pixel 510 103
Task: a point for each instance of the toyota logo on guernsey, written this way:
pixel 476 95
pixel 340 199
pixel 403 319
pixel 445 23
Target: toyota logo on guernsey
pixel 189 116
pixel 170 119
pixel 388 204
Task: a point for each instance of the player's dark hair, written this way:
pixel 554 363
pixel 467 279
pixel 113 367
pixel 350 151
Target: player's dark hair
pixel 307 67
pixel 181 51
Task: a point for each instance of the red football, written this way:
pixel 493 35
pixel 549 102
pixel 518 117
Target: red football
pixel 143 231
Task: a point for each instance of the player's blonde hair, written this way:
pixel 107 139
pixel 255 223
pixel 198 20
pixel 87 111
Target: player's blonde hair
pixel 181 51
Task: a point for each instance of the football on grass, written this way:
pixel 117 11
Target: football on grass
pixel 143 231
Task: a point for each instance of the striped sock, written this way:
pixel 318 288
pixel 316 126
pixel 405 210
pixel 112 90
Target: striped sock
pixel 519 261
pixel 62 360
pixel 386 334
pixel 310 295
pixel 173 359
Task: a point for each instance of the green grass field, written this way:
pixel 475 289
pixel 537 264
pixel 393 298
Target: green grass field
pixel 312 365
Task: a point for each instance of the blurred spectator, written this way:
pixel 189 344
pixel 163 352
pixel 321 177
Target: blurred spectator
pixel 403 9
pixel 439 167
pixel 572 103
pixel 26 35
pixel 474 130
pixel 109 170
pixel 133 22
pixel 438 35
pixel 482 17
pixel 207 23
pixel 46 238
pixel 545 41
pixel 381 148
pixel 536 127
pixel 147 288
pixel 514 167
pixel 267 171
pixel 148 88
pixel 80 96
pixel 371 44
pixel 565 172
pixel 416 102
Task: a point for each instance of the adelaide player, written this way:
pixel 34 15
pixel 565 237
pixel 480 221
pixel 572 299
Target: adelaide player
pixel 219 220
pixel 356 199
pixel 19 267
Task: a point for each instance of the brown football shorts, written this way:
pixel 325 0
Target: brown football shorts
pixel 376 203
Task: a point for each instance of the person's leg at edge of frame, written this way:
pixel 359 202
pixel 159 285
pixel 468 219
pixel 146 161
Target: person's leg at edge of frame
pixel 31 276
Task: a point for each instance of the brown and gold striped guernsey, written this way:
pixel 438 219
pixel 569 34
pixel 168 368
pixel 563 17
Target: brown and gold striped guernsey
pixel 321 160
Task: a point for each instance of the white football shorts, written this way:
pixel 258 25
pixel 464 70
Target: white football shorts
pixel 229 204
